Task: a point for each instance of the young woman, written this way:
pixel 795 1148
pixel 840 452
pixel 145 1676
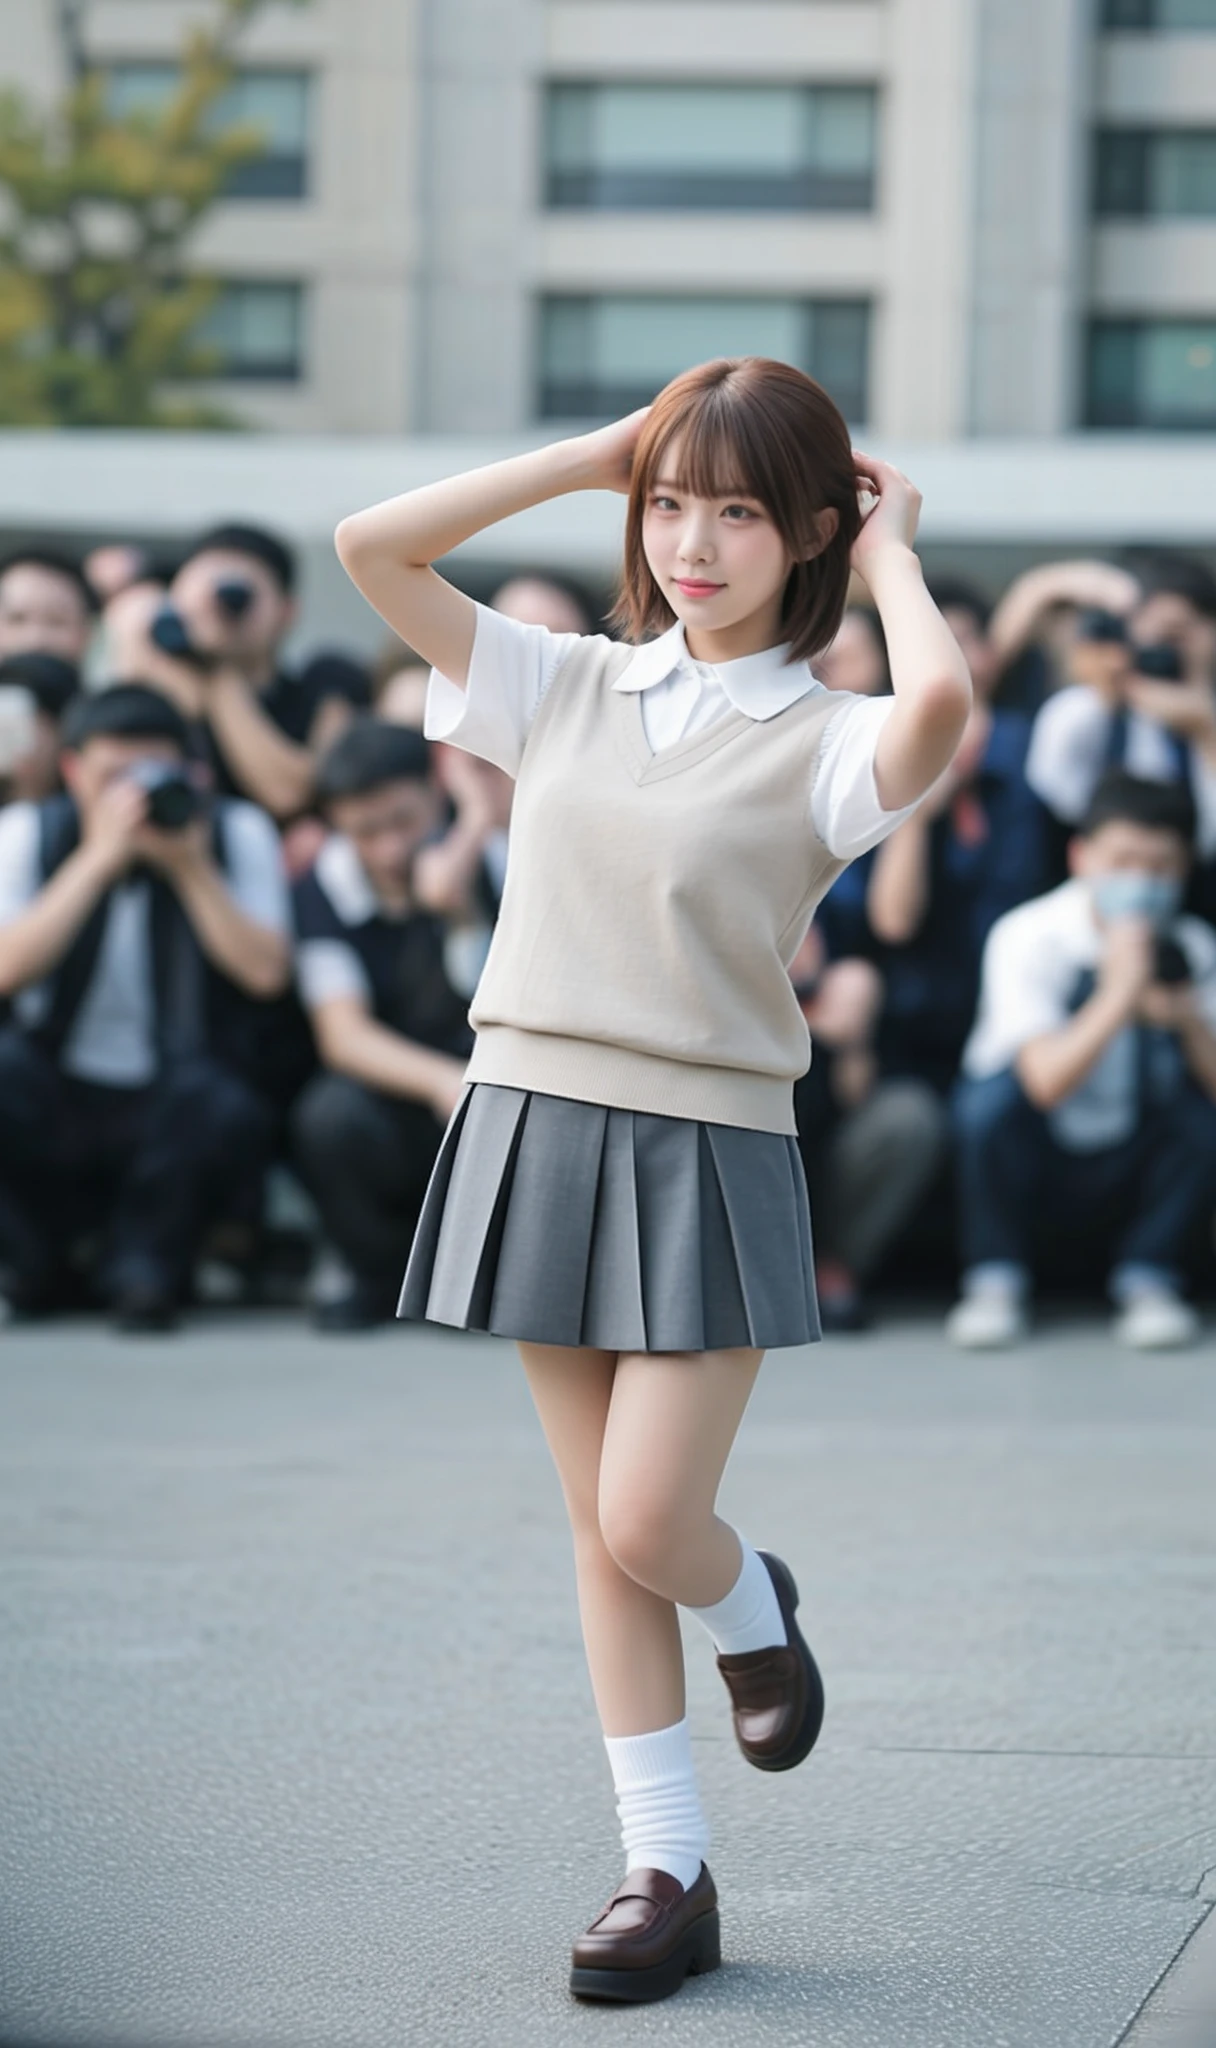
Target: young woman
pixel 619 1187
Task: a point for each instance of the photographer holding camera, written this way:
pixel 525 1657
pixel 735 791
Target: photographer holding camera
pixel 1140 695
pixel 136 930
pixel 213 645
pixel 1087 1107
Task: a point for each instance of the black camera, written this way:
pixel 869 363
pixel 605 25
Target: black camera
pixel 171 634
pixel 1095 624
pixel 1171 966
pixel 1160 661
pixel 173 800
pixel 234 596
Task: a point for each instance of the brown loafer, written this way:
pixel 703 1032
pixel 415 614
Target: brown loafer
pixel 651 1935
pixel 777 1694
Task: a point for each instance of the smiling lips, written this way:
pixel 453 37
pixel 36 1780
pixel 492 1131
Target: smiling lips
pixel 692 587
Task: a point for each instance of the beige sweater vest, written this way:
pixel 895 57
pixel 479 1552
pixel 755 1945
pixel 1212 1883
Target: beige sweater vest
pixel 653 903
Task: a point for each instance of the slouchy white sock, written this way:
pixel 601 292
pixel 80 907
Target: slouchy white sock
pixel 663 1826
pixel 749 1618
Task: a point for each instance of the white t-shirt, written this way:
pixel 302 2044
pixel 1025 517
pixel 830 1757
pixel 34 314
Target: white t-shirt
pixel 1067 755
pixel 1032 962
pixel 513 665
pixel 113 1040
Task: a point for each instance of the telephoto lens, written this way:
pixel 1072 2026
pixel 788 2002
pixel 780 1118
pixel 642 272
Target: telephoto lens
pixel 173 800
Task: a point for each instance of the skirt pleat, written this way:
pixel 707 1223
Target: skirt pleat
pixel 614 1318
pixel 561 1222
pixel 557 1173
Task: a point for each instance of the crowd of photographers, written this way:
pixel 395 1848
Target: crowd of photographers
pixel 243 906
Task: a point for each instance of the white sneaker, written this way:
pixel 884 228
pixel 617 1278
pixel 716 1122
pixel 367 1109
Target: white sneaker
pixel 988 1320
pixel 1156 1320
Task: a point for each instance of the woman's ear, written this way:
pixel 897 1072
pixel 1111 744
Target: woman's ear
pixel 824 528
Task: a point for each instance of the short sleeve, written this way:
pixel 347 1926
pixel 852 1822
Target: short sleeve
pixel 1198 942
pixel 328 969
pixel 1203 788
pixel 256 875
pixel 19 867
pixel 1068 743
pixel 510 669
pixel 1025 982
pixel 845 807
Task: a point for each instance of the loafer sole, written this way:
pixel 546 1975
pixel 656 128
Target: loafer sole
pixel 698 1951
pixel 799 1748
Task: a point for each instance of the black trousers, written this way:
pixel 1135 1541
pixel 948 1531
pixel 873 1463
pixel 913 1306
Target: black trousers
pixel 145 1169
pixel 365 1158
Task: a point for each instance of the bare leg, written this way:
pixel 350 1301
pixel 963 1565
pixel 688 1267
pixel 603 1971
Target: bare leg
pixel 672 1420
pixel 632 1636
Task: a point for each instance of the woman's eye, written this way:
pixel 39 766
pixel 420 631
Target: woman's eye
pixel 739 512
pixel 662 504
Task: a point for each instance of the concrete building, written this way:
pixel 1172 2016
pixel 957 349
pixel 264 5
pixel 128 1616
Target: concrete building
pixel 985 224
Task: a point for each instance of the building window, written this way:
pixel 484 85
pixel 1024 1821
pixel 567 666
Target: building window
pixel 1152 373
pixel 256 332
pixel 272 103
pixel 721 147
pixel 601 357
pixel 1156 173
pixel 1159 14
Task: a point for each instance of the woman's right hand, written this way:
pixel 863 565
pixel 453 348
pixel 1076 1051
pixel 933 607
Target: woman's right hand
pixel 608 452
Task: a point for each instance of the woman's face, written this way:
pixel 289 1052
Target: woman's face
pixel 720 563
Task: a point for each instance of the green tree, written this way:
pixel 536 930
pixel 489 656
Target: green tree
pixel 99 308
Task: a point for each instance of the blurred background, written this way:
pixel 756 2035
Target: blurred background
pixel 265 261
pixel 448 225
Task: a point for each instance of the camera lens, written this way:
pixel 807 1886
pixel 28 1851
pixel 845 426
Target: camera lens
pixel 234 596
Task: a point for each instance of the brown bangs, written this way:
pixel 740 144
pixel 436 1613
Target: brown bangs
pixel 751 428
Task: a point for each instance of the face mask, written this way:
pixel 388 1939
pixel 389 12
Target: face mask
pixel 1132 894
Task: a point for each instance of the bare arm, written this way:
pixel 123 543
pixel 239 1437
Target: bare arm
pixel 929 676
pixel 1020 612
pixel 387 550
pixel 898 894
pixel 351 1041
pixel 1052 1066
pixel 269 768
pixel 34 943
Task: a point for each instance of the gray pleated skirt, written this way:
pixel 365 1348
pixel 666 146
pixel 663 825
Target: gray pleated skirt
pixel 561 1222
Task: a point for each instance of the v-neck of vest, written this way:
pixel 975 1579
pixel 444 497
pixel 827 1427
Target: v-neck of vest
pixel 653 767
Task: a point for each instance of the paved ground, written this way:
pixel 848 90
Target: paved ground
pixel 296 1747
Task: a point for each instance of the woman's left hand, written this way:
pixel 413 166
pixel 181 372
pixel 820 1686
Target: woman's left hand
pixel 891 520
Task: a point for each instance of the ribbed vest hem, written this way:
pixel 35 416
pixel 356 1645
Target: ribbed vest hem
pixel 587 1070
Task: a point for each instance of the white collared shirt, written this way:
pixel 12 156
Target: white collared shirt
pixel 512 667
pixel 112 1041
pixel 1033 958
pixel 1068 743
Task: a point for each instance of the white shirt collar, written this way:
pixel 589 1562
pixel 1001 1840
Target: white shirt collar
pixel 759 685
pixel 343 877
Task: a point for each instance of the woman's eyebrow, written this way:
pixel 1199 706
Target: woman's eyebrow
pixel 667 483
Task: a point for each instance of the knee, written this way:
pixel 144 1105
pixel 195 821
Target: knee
pixel 27 1084
pixel 643 1531
pixel 331 1111
pixel 915 1117
pixel 983 1109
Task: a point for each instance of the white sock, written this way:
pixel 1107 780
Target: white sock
pixel 663 1826
pixel 749 1618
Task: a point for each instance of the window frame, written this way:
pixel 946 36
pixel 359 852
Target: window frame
pixel 603 190
pixel 274 177
pixel 592 402
pixel 1131 331
pixel 281 371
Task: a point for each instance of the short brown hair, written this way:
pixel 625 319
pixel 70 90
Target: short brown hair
pixel 767 430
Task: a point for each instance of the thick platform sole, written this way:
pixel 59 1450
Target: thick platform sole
pixel 699 1951
pixel 797 1751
